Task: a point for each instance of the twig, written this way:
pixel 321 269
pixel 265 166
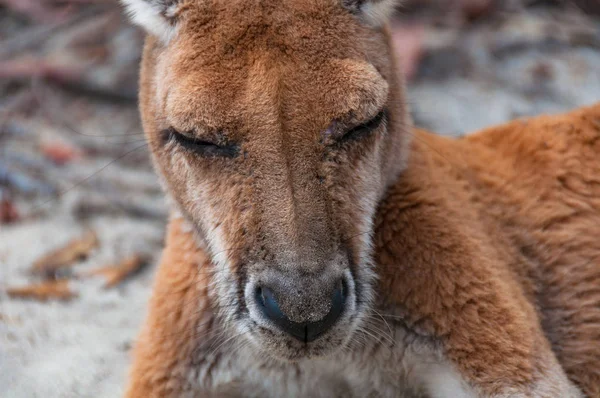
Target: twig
pixel 66 256
pixel 31 67
pixel 43 291
pixel 116 274
pixel 37 35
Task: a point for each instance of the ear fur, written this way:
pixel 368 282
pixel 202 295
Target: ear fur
pixel 157 17
pixel 374 12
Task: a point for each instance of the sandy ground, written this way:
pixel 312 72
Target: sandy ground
pixel 520 65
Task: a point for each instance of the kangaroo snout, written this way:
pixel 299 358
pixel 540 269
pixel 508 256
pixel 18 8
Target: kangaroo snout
pixel 304 307
pixel 303 331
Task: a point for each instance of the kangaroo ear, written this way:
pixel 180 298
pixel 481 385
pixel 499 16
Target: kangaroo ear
pixel 374 12
pixel 157 17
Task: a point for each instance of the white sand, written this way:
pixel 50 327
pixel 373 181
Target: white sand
pixel 79 348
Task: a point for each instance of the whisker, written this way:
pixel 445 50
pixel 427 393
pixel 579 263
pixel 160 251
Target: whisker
pixel 80 182
pixel 225 342
pixel 384 321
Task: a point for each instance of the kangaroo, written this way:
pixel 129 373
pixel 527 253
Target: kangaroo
pixel 319 245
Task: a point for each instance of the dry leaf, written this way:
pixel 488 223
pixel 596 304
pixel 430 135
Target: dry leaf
pixel 115 274
pixel 8 212
pixel 43 291
pixel 66 256
pixel 60 153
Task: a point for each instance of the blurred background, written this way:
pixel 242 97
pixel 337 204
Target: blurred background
pixel 82 215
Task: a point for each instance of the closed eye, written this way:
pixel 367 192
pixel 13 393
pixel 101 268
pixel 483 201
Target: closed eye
pixel 366 128
pixel 202 147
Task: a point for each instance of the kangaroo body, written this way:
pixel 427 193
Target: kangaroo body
pixel 488 261
pixel 320 246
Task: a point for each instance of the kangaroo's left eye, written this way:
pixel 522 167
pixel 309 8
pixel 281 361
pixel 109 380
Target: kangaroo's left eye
pixel 202 147
pixel 366 128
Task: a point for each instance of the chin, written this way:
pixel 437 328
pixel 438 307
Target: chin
pixel 280 347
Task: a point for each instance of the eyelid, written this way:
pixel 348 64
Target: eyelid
pixel 366 126
pixel 193 135
pixel 171 133
pixel 380 117
pixel 204 147
pixel 354 119
pixel 215 137
pixel 193 140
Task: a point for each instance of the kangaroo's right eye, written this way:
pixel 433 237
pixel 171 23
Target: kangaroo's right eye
pixel 366 128
pixel 201 147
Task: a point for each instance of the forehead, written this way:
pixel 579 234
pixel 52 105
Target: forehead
pixel 294 27
pixel 235 58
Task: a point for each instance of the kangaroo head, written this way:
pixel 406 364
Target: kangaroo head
pixel 276 127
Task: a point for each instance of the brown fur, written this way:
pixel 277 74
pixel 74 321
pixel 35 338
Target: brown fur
pixel 486 255
pixel 274 78
pixel 497 233
pixel 486 243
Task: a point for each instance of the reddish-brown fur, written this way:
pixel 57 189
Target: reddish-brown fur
pixel 497 234
pixel 486 248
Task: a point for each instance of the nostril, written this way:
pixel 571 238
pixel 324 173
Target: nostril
pixel 303 331
pixel 258 295
pixel 266 299
pixel 270 308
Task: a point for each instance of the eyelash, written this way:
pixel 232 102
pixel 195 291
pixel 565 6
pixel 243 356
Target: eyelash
pixel 366 128
pixel 203 148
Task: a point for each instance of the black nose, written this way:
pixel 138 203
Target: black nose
pixel 306 331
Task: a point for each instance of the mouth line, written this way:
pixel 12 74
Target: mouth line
pixel 301 345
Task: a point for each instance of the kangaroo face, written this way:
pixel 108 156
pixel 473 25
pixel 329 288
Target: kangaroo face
pixel 276 127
